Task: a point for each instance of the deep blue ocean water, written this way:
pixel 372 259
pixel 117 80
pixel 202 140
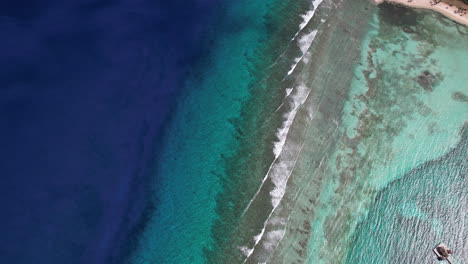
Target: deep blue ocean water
pixel 139 131
pixel 86 89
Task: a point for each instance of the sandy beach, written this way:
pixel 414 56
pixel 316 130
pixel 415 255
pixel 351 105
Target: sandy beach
pixel 453 9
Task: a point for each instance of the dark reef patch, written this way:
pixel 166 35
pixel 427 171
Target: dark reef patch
pixel 460 97
pixel 426 80
pixel 398 15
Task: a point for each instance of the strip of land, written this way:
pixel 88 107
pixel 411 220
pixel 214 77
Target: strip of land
pixel 453 9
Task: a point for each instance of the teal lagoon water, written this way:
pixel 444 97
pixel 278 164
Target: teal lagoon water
pixel 205 131
pixel 421 176
pixel 307 126
pixel 413 214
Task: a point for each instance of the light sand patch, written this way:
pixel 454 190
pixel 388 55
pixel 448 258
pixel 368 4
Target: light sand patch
pixel 453 9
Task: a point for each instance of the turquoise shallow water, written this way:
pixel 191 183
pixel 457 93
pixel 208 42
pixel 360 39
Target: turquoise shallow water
pixel 203 132
pixel 425 205
pixel 400 113
pixel 412 215
pixel 402 106
pixel 398 101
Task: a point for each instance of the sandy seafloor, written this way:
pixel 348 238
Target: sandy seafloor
pixel 339 140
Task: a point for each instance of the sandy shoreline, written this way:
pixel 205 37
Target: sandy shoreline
pixel 452 9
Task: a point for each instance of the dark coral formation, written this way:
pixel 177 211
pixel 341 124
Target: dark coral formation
pixel 427 80
pixel 460 97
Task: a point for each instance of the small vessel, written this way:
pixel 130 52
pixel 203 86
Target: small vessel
pixel 442 252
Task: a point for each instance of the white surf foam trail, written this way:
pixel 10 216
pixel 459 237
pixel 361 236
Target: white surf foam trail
pixel 281 168
pixel 279 172
pixel 248 251
pixel 304 44
pixel 302 92
pixel 271 240
pixel 305 41
pixel 307 17
pixel 297 99
pixel 275 235
pixel 271 237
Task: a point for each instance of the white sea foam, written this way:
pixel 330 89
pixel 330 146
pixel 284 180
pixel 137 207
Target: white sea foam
pixel 278 221
pixel 271 239
pixel 306 57
pixel 281 167
pixel 307 17
pixel 297 99
pixel 301 94
pixel 279 173
pixel 248 251
pixel 296 61
pixel 280 170
pixel 259 236
pixel 306 41
pixel 304 44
